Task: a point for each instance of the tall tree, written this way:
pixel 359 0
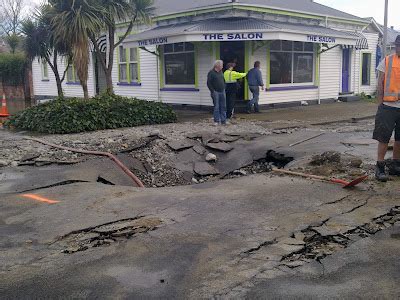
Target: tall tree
pixel 11 14
pixel 74 22
pixel 113 12
pixel 40 43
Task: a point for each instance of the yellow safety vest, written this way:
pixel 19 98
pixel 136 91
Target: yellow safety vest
pixel 231 76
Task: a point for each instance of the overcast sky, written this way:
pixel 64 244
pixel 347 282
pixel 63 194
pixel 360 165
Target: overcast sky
pixel 368 8
pixel 361 8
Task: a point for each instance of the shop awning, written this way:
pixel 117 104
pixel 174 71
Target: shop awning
pixel 239 29
pixel 361 42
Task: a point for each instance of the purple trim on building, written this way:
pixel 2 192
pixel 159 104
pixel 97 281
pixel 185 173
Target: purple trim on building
pixel 73 83
pixel 290 88
pixel 129 84
pixel 179 90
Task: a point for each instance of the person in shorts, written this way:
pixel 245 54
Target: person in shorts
pixel 388 116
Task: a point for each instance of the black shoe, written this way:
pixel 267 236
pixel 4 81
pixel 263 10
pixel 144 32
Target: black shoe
pixel 380 173
pixel 248 112
pixel 394 167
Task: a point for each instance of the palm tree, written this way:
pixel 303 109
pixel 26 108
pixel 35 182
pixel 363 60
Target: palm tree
pixel 39 43
pixel 115 11
pixel 74 22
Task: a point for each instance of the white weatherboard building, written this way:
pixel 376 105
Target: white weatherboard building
pixel 308 52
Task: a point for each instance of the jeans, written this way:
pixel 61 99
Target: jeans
pixel 255 90
pixel 219 106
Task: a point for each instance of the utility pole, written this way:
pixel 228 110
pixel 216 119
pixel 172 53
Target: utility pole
pixel 385 29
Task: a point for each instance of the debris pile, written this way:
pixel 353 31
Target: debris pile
pixel 334 164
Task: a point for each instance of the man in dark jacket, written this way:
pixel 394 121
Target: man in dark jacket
pixel 216 85
pixel 254 78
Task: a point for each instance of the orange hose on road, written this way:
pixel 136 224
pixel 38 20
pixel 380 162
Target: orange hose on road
pixel 106 154
pixel 40 198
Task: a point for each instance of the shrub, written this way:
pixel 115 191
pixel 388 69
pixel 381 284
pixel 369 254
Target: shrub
pixel 102 112
pixel 12 68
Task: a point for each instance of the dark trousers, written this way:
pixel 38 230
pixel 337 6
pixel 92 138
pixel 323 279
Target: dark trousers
pixel 231 94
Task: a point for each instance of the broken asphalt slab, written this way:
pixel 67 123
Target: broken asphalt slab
pixel 369 269
pixel 23 179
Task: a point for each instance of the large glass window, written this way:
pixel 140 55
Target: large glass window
pixel 292 62
pixel 179 64
pixel 128 65
pixel 366 68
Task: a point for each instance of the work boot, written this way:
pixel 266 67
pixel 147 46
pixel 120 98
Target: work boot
pixel 380 173
pixel 394 167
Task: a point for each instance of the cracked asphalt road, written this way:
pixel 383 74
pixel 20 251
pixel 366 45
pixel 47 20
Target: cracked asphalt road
pixel 248 237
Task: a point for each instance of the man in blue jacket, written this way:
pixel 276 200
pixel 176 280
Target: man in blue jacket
pixel 255 80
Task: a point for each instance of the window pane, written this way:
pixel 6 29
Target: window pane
pixel 281 68
pixel 179 47
pixel 70 75
pixel 133 69
pixel 366 69
pixel 133 54
pixel 122 54
pixel 276 45
pixel 45 70
pixel 189 47
pixel 298 46
pixel 169 48
pixel 179 68
pixel 287 46
pixel 309 47
pixel 76 75
pixel 303 68
pixel 122 73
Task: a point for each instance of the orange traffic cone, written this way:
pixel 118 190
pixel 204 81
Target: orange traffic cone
pixel 3 110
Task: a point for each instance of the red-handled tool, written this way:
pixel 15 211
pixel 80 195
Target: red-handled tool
pixel 345 184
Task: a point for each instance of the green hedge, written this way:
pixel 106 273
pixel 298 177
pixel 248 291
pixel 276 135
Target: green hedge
pixel 12 68
pixel 102 112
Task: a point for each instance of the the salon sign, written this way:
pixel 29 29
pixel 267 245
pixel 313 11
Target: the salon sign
pixel 321 39
pixel 233 36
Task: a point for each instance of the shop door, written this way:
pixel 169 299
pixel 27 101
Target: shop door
pixel 346 71
pixel 234 52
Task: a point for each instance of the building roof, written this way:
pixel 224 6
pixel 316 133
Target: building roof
pixel 392 33
pixel 164 7
pixel 199 31
pixel 236 24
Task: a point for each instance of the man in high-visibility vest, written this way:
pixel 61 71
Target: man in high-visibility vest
pixel 388 116
pixel 231 81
